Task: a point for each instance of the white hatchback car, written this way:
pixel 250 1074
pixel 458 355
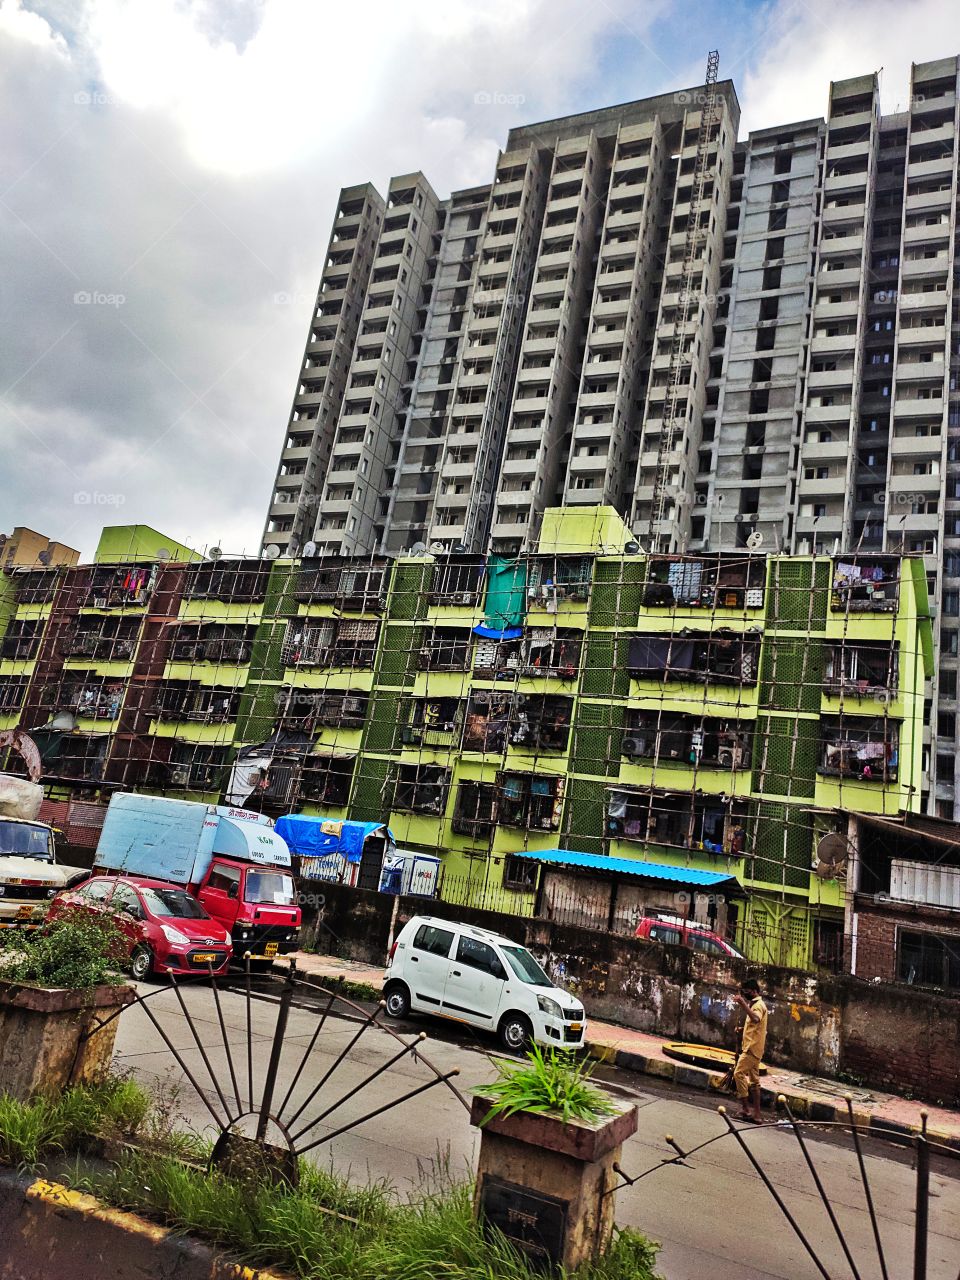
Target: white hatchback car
pixel 481 978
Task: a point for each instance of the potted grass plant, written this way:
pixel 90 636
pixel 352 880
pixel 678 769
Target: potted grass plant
pixel 58 985
pixel 549 1139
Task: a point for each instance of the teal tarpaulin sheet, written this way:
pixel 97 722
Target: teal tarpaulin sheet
pixel 506 603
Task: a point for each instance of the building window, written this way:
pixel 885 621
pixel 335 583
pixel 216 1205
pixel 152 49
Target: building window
pixel 446 649
pixel 530 800
pixel 858 747
pixel 929 960
pixel 860 668
pixel 326 779
pixel 519 873
pixel 476 809
pixel 421 788
pixel 723 657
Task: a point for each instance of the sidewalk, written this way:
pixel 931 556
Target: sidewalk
pixel 810 1097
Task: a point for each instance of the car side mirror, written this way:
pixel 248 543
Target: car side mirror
pixel 233 890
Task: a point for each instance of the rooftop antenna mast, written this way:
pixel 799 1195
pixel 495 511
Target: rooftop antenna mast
pixel 688 303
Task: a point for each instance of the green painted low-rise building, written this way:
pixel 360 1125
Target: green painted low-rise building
pixel 710 713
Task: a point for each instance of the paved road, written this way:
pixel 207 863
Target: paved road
pixel 714 1218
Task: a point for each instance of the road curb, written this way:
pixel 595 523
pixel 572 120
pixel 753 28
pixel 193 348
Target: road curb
pixel 801 1105
pixel 52 1231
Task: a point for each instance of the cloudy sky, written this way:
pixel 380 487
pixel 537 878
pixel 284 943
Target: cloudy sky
pixel 170 171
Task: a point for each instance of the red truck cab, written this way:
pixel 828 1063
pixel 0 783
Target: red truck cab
pixel 256 904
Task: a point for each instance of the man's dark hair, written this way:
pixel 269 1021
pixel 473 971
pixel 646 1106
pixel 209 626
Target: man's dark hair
pixel 750 984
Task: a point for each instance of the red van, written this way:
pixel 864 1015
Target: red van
pixel 658 927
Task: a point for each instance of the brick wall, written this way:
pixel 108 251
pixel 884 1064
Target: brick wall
pixel 877 925
pixel 889 1036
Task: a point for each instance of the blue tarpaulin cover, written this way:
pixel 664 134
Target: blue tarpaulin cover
pixel 496 633
pixel 623 866
pixel 314 837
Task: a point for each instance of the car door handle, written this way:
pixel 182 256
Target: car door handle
pixel 415 959
pixel 456 973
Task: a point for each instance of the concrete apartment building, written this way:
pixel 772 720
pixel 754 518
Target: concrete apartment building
pixel 725 340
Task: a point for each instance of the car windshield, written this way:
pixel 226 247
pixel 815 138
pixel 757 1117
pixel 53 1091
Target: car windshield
pixel 172 902
pixel 270 887
pixel 24 840
pixel 525 967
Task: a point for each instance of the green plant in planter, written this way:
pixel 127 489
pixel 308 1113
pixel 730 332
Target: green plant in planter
pixel 551 1081
pixel 76 950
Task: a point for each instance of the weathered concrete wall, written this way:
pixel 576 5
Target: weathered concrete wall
pixel 50 1231
pixel 887 1035
pixel 49 1038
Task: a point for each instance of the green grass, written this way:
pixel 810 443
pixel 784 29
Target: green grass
pixel 432 1236
pixel 548 1082
pixel 33 1132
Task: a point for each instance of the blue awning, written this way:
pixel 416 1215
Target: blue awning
pixel 624 866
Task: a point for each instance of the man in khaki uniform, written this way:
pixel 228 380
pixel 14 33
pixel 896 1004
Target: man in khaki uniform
pixel 746 1074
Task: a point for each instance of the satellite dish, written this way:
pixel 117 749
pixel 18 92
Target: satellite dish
pixel 309 549
pixel 163 553
pixel 44 557
pixel 63 722
pixel 831 857
pixel 437 548
pixel 271 551
pixel 419 549
pixel 214 553
pixel 755 541
pixel 631 549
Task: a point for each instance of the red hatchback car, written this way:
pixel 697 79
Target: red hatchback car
pixel 167 929
pixel 681 932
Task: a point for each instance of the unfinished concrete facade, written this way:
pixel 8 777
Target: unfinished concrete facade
pixel 524 341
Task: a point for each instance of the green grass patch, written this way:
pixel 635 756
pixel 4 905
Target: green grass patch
pixel 430 1236
pixel 548 1082
pixel 31 1132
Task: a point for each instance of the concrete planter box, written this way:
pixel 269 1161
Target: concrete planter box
pixel 46 1043
pixel 548 1185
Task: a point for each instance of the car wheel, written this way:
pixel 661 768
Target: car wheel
pixel 141 963
pixel 397 998
pixel 515 1032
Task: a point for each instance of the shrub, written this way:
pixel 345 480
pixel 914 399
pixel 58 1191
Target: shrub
pixel 76 950
pixel 548 1082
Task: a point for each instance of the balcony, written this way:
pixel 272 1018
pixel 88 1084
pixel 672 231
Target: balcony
pixel 865 584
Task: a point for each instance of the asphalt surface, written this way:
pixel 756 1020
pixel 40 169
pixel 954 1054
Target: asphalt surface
pixel 713 1215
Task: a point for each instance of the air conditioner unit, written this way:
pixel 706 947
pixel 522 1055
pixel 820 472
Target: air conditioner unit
pixel 882 696
pixel 353 705
pixel 730 757
pixel 633 747
pixel 180 776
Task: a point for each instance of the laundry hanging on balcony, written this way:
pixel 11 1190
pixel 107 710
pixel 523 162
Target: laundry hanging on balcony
pixel 506 601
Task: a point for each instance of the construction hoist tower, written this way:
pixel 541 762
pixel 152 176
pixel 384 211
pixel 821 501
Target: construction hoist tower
pixel 675 405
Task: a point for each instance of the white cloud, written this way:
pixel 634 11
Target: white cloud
pixel 806 45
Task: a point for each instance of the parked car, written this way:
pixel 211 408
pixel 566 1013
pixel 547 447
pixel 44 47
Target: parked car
pixel 480 978
pixel 166 928
pixel 658 927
